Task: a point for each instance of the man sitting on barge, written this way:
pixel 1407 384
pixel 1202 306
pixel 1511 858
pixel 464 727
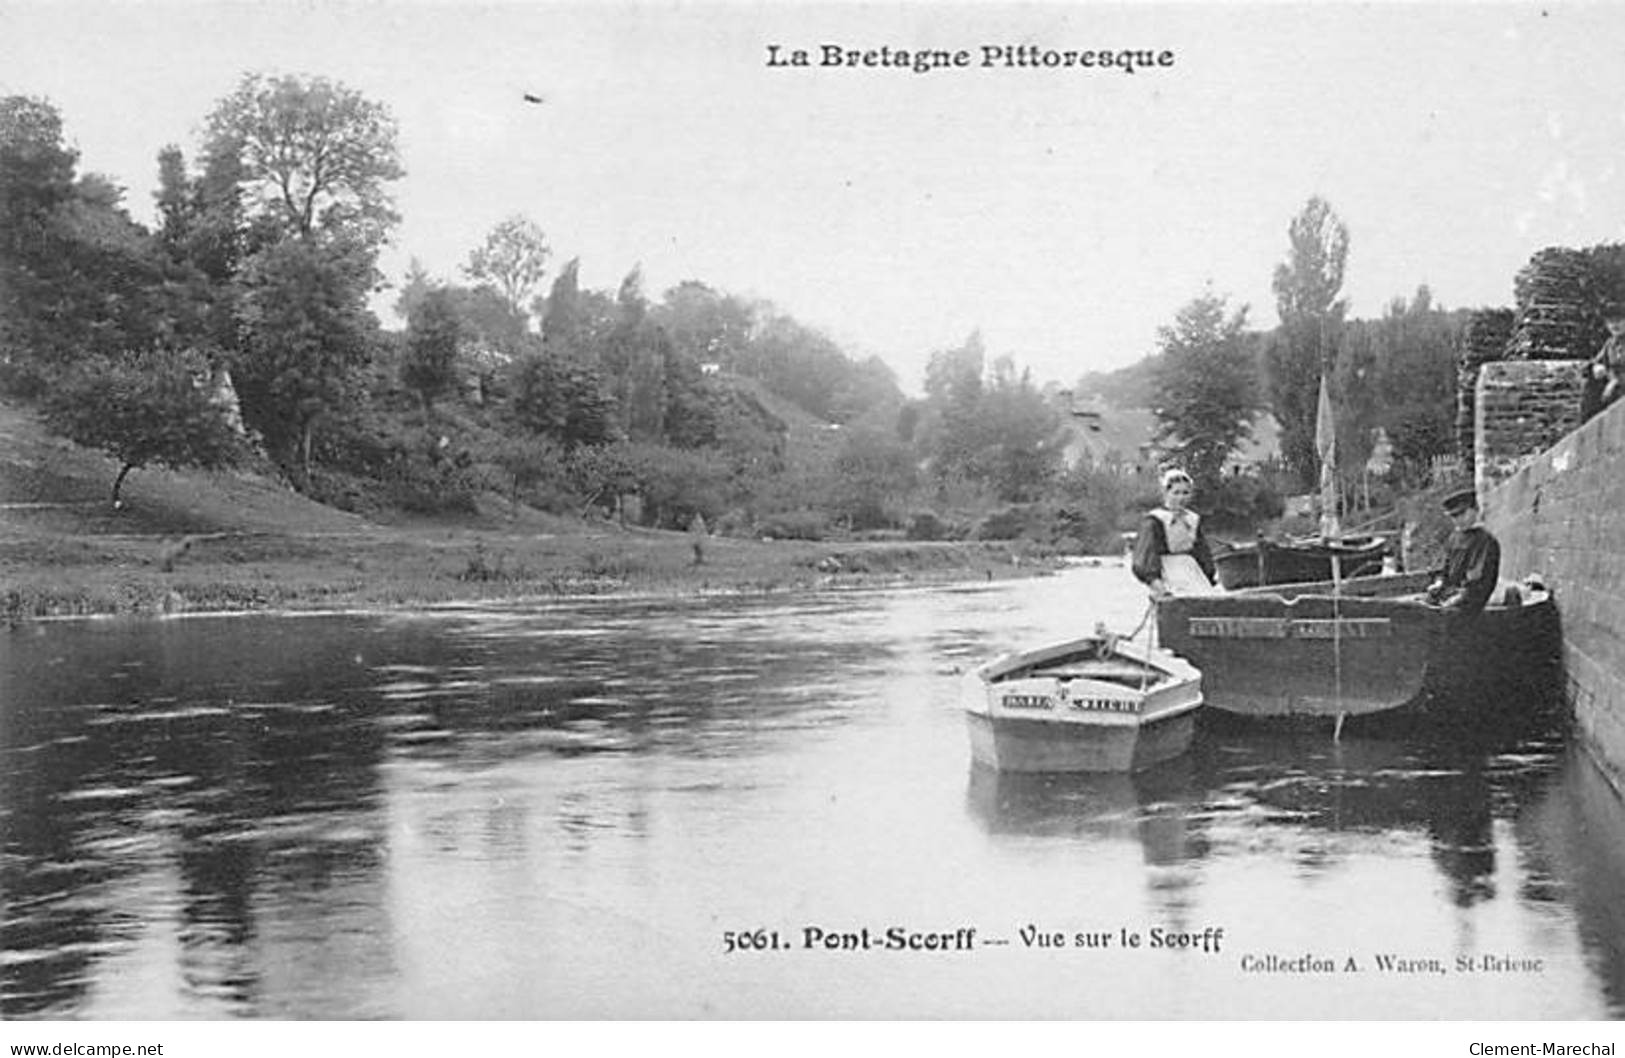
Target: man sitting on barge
pixel 1472 564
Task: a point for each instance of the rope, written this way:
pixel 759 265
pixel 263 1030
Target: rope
pixel 1150 609
pixel 1150 643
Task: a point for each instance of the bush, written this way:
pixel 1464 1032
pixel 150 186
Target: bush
pixel 1243 503
pixel 795 525
pixel 927 526
pixel 1012 523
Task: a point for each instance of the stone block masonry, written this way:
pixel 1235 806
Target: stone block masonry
pixel 1522 408
pixel 1560 512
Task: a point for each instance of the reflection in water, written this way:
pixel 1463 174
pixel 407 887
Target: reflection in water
pixel 557 811
pixel 159 775
pixel 1570 839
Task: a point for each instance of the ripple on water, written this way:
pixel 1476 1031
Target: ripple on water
pixel 139 716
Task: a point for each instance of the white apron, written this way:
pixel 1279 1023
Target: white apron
pixel 1181 574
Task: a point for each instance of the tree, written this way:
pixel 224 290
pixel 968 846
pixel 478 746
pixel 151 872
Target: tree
pixel 948 430
pixel 635 357
pixel 1306 288
pixel 869 388
pixel 315 156
pixel 873 471
pixel 493 336
pixel 561 399
pixel 78 277
pixel 200 233
pixel 1416 348
pixel 153 407
pixel 307 337
pixel 562 322
pixel 1015 436
pixel 512 260
pixel 707 326
pixel 1207 387
pixel 528 461
pixel 415 286
pixel 433 332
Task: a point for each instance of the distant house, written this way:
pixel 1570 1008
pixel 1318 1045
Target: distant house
pixel 1124 439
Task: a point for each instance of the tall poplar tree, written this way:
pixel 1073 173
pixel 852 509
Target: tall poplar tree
pixel 1307 287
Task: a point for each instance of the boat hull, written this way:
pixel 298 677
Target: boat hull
pixel 1269 562
pixel 1372 648
pixel 1014 744
pixel 1082 706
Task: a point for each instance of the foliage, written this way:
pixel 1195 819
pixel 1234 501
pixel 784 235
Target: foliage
pixel 707 326
pixel 1355 388
pixel 602 473
pixel 1206 385
pixel 804 366
pixel 315 156
pixel 1242 501
pixel 203 242
pixel 492 336
pixel 873 472
pixel 561 399
pixel 433 331
pixel 674 485
pixel 36 179
pixel 1415 347
pixel 307 335
pixel 78 277
pixel 997 432
pixel 948 424
pixel 1012 523
pixel 148 408
pixel 802 524
pixel 690 418
pixel 1018 436
pixel 428 475
pixel 564 320
pixel 751 436
pixel 927 525
pixel 1306 288
pixel 535 468
pixel 512 260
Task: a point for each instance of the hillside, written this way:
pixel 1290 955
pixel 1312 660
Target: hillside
pixel 227 541
pixel 812 443
pixel 50 486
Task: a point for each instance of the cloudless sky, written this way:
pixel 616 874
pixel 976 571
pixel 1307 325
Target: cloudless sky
pixel 1067 214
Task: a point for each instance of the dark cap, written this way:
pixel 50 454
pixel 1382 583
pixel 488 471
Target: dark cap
pixel 1459 501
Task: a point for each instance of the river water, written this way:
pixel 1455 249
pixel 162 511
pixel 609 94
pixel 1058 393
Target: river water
pixel 575 809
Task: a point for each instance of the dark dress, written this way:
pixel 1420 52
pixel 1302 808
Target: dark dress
pixel 1151 545
pixel 1471 569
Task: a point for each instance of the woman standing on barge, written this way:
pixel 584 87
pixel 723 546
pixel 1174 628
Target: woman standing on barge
pixel 1171 554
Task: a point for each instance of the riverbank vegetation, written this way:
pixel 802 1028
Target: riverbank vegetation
pixel 264 440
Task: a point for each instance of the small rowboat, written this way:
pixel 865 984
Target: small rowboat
pixel 1095 704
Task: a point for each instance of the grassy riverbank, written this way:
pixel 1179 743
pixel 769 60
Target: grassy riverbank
pixel 199 541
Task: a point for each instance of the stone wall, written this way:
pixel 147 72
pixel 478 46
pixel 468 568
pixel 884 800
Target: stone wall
pixel 1522 408
pixel 1561 513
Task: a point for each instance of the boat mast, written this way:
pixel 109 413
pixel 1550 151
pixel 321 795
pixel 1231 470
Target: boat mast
pixel 1326 446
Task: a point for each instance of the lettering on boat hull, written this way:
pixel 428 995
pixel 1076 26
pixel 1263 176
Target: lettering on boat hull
pixel 1281 628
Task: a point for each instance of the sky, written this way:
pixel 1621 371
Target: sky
pixel 1065 213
